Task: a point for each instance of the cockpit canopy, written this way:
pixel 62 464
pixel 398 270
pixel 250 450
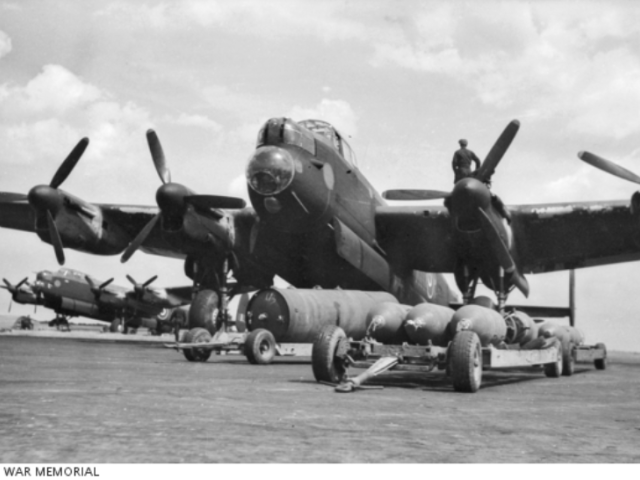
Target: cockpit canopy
pixel 304 134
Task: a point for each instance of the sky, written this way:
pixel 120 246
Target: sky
pixel 402 80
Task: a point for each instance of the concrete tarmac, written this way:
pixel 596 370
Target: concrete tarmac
pixel 85 400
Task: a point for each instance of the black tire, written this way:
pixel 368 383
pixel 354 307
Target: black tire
pixel 260 347
pixel 326 366
pixel 197 335
pixel 554 370
pixel 601 363
pixel 465 357
pixel 116 326
pixel 568 360
pixel 201 311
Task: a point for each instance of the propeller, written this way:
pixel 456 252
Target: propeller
pixel 97 291
pixel 172 198
pixel 141 288
pixel 46 199
pixel 414 194
pixel 13 289
pixel 497 151
pixel 608 166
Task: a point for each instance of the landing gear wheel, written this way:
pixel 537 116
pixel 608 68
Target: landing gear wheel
pixel 197 335
pixel 554 370
pixel 260 347
pixel 116 326
pixel 327 367
pixel 601 363
pixel 568 360
pixel 466 362
pixel 201 312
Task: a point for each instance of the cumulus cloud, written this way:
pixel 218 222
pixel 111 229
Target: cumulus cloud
pixel 546 60
pixel 48 115
pixel 5 44
pixel 337 112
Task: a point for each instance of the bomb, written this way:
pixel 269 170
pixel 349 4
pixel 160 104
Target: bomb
pixel 385 323
pixel 298 315
pixel 521 328
pixel 486 323
pixel 428 323
pixel 563 333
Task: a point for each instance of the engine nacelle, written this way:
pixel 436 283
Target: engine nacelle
pixel 486 323
pixel 427 323
pixel 298 315
pixel 385 323
pixel 521 328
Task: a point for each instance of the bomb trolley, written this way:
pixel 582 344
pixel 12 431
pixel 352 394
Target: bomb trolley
pixel 463 359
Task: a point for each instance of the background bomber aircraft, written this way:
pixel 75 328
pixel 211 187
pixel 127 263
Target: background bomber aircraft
pixel 316 221
pixel 70 293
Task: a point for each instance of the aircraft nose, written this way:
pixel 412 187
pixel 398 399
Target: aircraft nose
pixel 270 170
pixel 43 197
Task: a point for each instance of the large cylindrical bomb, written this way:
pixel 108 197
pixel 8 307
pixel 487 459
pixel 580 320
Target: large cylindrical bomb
pixel 385 323
pixel 428 323
pixel 521 328
pixel 564 333
pixel 486 323
pixel 298 315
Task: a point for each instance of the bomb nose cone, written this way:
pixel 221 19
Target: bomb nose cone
pixel 270 170
pixel 43 197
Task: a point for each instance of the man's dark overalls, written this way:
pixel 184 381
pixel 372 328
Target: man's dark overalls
pixel 462 163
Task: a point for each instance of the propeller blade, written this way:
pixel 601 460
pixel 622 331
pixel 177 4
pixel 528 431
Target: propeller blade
pixel 90 282
pixel 22 282
pixel 55 238
pixel 158 156
pixel 497 151
pixel 608 166
pixel 69 163
pixel 10 304
pixel 8 285
pixel 500 250
pixel 414 194
pixel 6 197
pixel 150 281
pixel 135 244
pixel 103 285
pixel 215 201
pixel 130 278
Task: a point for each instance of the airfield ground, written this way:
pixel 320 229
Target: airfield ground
pixel 91 399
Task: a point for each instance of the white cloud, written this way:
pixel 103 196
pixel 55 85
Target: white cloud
pixel 337 112
pixel 199 121
pixel 5 44
pixel 41 121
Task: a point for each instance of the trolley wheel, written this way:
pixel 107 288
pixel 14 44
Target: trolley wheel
pixel 554 370
pixel 568 360
pixel 466 362
pixel 601 363
pixel 197 335
pixel 260 347
pixel 326 366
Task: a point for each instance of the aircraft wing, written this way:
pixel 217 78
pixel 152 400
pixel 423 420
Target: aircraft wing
pixel 547 237
pixel 417 238
pixel 15 212
pixel 562 236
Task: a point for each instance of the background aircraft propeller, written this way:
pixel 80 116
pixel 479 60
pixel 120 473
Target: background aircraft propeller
pixel 172 198
pixel 97 291
pixel 13 289
pixel 47 200
pixel 141 288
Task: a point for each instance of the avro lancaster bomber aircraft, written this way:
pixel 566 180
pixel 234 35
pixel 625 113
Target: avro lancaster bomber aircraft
pixel 317 222
pixel 70 293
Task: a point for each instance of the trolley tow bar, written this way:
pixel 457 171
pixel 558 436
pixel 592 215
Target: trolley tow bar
pixel 380 366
